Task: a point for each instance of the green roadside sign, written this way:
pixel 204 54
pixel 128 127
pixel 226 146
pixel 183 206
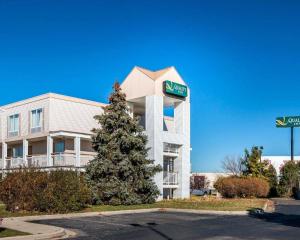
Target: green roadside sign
pixel 287 122
pixel 175 89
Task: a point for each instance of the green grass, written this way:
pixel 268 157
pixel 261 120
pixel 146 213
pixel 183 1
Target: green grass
pixel 198 203
pixel 5 232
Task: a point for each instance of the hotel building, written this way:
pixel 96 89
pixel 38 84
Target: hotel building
pixel 54 131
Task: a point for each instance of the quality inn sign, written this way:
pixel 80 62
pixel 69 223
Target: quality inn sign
pixel 175 89
pixel 285 122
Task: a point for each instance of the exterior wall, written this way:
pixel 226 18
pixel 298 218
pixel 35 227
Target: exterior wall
pixel 278 161
pixel 154 129
pixel 24 110
pixel 211 178
pixel 173 76
pixel 72 116
pixel 182 126
pixel 137 85
pixel 169 124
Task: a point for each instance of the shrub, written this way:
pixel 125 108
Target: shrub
pixel 33 190
pixel 242 187
pixel 289 179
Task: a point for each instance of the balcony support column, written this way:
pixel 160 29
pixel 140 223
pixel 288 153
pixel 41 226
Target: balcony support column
pixel 49 151
pixel 25 152
pixel 77 151
pixel 4 154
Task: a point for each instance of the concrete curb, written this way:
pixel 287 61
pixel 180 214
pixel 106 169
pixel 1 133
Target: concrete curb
pixel 43 232
pixel 38 231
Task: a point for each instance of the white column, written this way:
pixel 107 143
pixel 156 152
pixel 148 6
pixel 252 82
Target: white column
pixel 154 130
pixel 182 163
pixel 49 151
pixel 4 154
pixel 77 151
pixel 25 151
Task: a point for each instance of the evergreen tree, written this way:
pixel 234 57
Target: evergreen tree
pixel 271 175
pixel 121 173
pixel 252 163
pixel 289 178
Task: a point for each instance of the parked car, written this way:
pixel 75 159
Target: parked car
pixel 200 192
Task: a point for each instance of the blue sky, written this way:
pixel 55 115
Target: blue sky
pixel 241 60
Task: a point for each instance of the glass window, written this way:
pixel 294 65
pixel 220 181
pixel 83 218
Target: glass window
pixel 13 125
pixel 36 120
pixel 17 151
pixel 59 147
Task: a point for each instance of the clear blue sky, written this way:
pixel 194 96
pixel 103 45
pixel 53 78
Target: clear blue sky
pixel 241 60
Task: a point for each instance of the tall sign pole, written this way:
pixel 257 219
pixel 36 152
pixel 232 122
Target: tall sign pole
pixel 289 122
pixel 292 143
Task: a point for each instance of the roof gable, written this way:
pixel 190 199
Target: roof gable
pixel 153 74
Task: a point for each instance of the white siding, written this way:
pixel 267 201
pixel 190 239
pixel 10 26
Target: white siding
pixel 24 111
pixel 73 116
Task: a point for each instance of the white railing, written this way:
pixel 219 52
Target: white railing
pixel 170 148
pixel 84 159
pixel 63 159
pixel 170 178
pixel 15 162
pixel 37 161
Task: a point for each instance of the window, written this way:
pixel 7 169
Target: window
pixel 17 151
pixel 13 125
pixel 36 120
pixel 59 147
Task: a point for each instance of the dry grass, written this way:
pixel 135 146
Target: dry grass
pixel 198 203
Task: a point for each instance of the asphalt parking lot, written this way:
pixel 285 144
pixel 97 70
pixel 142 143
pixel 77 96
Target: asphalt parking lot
pixel 283 224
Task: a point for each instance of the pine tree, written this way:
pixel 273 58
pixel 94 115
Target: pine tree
pixel 271 175
pixel 252 164
pixel 121 173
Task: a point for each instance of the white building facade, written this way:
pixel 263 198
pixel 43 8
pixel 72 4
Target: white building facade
pixel 279 161
pixel 53 130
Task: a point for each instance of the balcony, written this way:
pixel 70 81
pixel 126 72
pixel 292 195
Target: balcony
pixel 64 160
pixel 170 178
pixel 171 149
pixel 40 161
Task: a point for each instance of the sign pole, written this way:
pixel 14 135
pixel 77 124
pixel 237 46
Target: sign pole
pixel 289 122
pixel 292 143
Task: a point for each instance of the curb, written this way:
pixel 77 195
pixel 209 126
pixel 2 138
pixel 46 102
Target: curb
pixel 37 231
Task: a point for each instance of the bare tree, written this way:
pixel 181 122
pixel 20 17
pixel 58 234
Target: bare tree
pixel 233 165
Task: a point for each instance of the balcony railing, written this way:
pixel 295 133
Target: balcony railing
pixel 84 159
pixel 170 178
pixel 15 162
pixel 171 148
pixel 40 161
pixel 37 161
pixel 62 159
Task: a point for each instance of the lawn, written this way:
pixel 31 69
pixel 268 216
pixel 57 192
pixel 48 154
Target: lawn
pixel 198 203
pixel 5 232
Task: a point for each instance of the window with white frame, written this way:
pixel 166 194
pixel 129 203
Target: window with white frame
pixel 13 125
pixel 36 120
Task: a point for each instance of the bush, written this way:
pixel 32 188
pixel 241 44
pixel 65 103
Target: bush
pixel 242 187
pixel 289 179
pixel 57 191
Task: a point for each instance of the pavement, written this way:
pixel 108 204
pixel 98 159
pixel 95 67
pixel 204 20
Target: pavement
pixel 152 224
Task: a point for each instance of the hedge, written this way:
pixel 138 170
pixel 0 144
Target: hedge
pixel 58 191
pixel 231 187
